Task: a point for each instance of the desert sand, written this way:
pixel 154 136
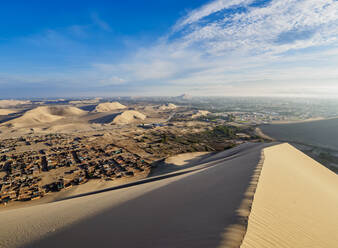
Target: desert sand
pixel 128 116
pixel 46 114
pixel 32 223
pixel 295 204
pixel 169 106
pixel 259 133
pixel 47 218
pixel 8 111
pixel 200 113
pixel 12 103
pixel 109 106
pixel 184 158
pixel 280 199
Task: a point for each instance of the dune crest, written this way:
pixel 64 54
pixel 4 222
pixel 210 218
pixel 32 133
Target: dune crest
pixel 128 116
pixel 168 106
pixel 12 103
pixel 109 106
pixel 46 114
pixel 295 204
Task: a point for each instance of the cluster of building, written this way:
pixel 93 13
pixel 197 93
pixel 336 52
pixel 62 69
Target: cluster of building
pixel 63 163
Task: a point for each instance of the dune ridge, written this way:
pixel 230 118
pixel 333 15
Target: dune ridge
pixel 200 113
pixel 128 116
pixel 295 204
pixel 8 111
pixel 234 234
pixel 46 114
pixel 169 106
pixel 12 103
pixel 109 106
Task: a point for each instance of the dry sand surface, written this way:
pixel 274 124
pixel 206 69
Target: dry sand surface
pixel 168 106
pixel 35 222
pixel 128 116
pixel 185 158
pixel 12 103
pixel 109 106
pixel 295 204
pixel 46 114
pixel 200 113
pixel 191 208
pixel 259 132
pixel 8 111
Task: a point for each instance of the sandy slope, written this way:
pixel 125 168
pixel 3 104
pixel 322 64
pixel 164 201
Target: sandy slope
pixel 109 106
pixel 27 224
pixel 188 210
pixel 191 211
pixel 46 114
pixel 168 106
pixel 294 205
pixel 296 202
pixel 128 116
pixel 184 158
pixel 8 111
pixel 12 103
pixel 200 113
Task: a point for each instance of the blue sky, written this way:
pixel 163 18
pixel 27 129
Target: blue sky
pixel 220 47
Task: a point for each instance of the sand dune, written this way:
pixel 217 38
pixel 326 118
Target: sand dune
pixel 46 114
pixel 12 103
pixel 172 210
pixel 169 106
pixel 184 158
pixel 295 204
pixel 199 113
pixel 8 111
pixel 128 116
pixel 109 106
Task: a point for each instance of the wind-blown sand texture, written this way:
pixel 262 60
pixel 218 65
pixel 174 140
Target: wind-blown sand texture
pixel 46 114
pixel 295 204
pixel 109 106
pixel 128 116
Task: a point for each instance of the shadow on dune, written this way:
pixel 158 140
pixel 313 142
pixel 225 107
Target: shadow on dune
pixel 5 118
pixel 193 211
pixel 88 107
pixel 105 119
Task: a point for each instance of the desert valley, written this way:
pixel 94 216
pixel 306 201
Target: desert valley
pixel 65 154
pixel 169 124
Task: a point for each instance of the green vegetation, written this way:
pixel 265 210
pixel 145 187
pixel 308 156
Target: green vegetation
pixel 223 131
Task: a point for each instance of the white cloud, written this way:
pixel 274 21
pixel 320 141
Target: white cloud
pixel 220 48
pixel 282 43
pixel 208 9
